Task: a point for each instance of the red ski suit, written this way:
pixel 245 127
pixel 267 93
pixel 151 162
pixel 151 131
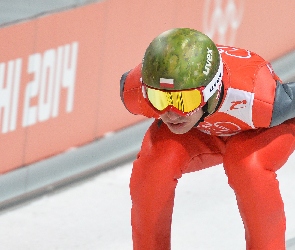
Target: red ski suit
pixel 238 134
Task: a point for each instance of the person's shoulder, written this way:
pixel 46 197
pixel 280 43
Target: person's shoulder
pixel 240 59
pixel 236 53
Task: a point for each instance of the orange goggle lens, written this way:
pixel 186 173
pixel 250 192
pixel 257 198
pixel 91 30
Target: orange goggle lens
pixel 185 100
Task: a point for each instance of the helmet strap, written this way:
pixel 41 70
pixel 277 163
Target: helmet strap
pixel 205 114
pixel 205 108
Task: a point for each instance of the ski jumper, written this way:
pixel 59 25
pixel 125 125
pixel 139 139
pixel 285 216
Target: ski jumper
pixel 251 133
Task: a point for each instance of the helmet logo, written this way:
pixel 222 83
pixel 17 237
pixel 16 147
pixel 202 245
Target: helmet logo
pixel 166 83
pixel 208 62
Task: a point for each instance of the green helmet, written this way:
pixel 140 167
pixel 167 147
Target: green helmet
pixel 186 59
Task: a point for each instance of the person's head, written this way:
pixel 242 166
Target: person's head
pixel 181 75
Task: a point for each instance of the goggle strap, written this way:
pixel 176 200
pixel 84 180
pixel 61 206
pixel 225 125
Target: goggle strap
pixel 215 83
pixel 143 90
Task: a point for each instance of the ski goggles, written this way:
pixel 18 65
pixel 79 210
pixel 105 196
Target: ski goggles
pixel 183 102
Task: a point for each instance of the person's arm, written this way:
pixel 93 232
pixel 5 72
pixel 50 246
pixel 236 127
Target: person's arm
pixel 132 96
pixel 284 104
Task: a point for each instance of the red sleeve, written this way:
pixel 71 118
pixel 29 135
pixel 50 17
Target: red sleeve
pixel 132 96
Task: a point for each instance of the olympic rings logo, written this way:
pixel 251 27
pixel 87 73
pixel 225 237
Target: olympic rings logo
pixel 222 19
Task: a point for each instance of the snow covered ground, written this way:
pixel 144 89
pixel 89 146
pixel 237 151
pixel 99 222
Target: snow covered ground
pixel 95 214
